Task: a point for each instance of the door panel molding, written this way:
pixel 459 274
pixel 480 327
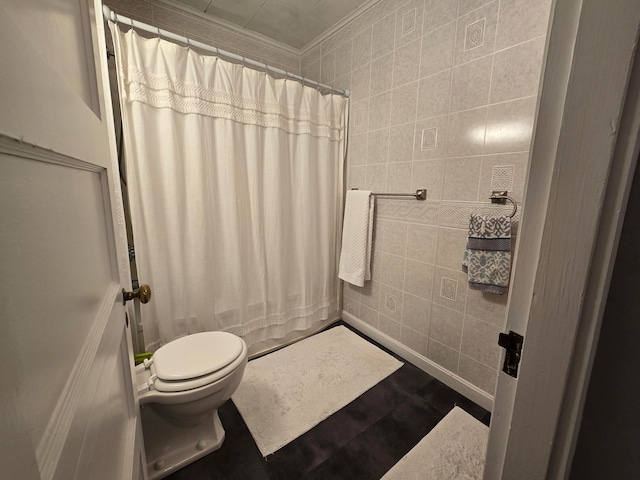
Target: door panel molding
pixel 52 443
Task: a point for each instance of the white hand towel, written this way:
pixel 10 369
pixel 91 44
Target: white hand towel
pixel 355 258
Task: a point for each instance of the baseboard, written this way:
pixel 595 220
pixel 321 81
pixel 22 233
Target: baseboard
pixel 460 385
pixel 293 337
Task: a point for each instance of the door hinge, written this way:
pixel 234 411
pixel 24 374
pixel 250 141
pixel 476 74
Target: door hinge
pixel 512 343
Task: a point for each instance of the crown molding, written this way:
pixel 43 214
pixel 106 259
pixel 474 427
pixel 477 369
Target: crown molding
pixel 338 26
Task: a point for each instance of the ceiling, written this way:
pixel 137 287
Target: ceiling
pixel 292 22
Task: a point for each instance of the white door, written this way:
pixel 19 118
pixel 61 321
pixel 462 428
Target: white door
pixel 67 406
pixel 583 155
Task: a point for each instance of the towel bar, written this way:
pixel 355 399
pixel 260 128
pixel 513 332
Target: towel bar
pixel 421 194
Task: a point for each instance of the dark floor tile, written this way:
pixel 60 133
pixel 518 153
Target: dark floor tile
pixel 486 419
pixel 348 464
pixel 322 441
pixel 233 461
pixel 237 458
pixel 444 398
pixel 397 433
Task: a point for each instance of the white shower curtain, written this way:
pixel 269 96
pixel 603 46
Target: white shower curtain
pixel 235 185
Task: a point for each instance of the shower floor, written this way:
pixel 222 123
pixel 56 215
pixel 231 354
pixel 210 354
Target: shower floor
pixel 363 440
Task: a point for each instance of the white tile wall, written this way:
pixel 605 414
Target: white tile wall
pixel 456 121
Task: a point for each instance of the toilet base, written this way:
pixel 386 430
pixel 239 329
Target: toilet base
pixel 169 447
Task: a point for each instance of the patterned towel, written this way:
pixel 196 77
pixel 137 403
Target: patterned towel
pixel 487 258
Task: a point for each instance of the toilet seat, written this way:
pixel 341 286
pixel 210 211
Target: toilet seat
pixel 194 361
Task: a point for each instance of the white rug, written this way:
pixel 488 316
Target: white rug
pixel 288 392
pixel 454 450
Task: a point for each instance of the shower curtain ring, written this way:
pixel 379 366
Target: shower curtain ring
pixel 188 44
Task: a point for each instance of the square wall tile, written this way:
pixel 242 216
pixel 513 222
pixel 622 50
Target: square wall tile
pixel 416 312
pixel 422 242
pixel 377 258
pixel 357 177
pixel 522 21
pixel 370 295
pixel 418 279
pixel 360 82
pixel 359 117
pixel 352 307
pixel 380 106
pixel 376 180
pixel 391 302
pixel 409 22
pixel 475 33
pixel 403 104
pixel 393 236
pixel 444 281
pixel 446 326
pixel 312 71
pixel 414 340
pixel 516 71
pixel 369 316
pixel 401 143
pixel 428 174
pixel 383 35
pixel 478 374
pixel 392 270
pixel 470 84
pixel 377 146
pixel 489 307
pixel 328 67
pixel 382 74
pixel 406 63
pixel 361 49
pixel 466 132
pixel 390 327
pixel 357 150
pixel 444 356
pixel 399 177
pixel 437 50
pixel 451 245
pixel 430 138
pixel 438 13
pixel 343 82
pixel 434 95
pixel 344 54
pixel 466 6
pixel 480 341
pixel 461 178
pixel 351 291
pixel 490 181
pixel 510 125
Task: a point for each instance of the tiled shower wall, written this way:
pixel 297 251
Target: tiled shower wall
pixel 198 28
pixel 443 96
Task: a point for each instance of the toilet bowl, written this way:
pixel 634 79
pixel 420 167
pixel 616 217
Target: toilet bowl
pixel 180 390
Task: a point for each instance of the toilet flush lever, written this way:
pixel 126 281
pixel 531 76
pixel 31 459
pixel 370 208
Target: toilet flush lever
pixel 143 294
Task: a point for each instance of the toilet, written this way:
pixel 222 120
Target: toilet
pixel 180 390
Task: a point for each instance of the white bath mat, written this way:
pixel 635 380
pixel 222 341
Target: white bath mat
pixel 454 450
pixel 288 392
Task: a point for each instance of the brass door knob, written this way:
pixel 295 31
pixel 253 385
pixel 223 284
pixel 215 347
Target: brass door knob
pixel 143 294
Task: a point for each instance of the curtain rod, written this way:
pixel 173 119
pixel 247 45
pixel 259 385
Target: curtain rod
pixel 117 18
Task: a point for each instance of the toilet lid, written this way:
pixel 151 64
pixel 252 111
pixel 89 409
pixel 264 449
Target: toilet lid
pixel 196 355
